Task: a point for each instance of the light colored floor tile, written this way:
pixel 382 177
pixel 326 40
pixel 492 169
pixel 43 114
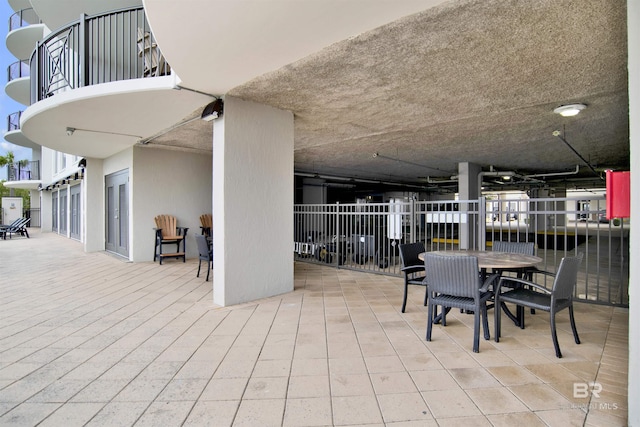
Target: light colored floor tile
pixel 497 400
pixel 449 404
pixel 72 414
pixel 225 389
pixel 266 413
pixel 272 368
pixel 28 414
pixel 351 385
pixel 404 407
pixel 540 397
pixel 528 419
pixel 308 386
pixel 100 390
pixel 118 414
pixel 513 375
pixel 434 380
pixel 165 414
pixel 393 382
pixel 384 364
pixel 470 378
pixel 266 388
pixel 355 410
pixel 182 389
pixel 309 367
pixel 312 411
pixel 218 413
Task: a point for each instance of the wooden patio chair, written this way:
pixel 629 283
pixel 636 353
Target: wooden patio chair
pixel 206 224
pixel 168 232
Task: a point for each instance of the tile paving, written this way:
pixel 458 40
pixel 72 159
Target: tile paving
pixel 90 339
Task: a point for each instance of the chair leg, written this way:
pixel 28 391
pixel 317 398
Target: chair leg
pixel 406 290
pixel 573 325
pixel 429 320
pixel 554 334
pixel 208 270
pixel 426 296
pixel 476 331
pixel 497 313
pixel 199 262
pixel 485 322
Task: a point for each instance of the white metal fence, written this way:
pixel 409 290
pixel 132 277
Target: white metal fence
pixel 365 236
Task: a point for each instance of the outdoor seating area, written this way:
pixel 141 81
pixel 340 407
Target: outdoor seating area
pixel 94 340
pixel 17 227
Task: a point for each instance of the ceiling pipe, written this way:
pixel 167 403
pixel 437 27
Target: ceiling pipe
pixel 540 175
pixel 361 180
pixel 561 138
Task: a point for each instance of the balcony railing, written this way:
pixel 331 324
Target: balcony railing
pixel 13 121
pixel 105 48
pixel 23 171
pixel 17 70
pixel 23 18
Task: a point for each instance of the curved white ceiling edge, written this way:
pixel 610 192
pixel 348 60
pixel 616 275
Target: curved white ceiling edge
pixel 215 46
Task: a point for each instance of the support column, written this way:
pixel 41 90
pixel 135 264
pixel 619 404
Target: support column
pixel 633 17
pixel 252 202
pixel 93 204
pixel 468 189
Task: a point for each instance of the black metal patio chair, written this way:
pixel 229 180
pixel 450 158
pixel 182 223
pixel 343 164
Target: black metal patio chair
pixel 413 269
pixel 534 295
pixel 454 282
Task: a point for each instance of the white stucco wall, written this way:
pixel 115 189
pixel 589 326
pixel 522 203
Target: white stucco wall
pixel 633 18
pixel 253 202
pixel 167 182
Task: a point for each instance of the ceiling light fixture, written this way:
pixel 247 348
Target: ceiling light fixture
pixel 569 110
pixel 70 131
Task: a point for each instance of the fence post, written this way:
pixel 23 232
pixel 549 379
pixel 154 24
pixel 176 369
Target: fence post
pixel 412 220
pixel 482 223
pixel 338 242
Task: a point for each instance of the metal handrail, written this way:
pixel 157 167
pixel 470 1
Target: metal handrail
pixel 23 18
pixel 23 171
pixel 17 70
pixel 13 121
pixel 114 46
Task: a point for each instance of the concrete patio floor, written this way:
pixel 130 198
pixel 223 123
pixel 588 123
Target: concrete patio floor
pixel 90 339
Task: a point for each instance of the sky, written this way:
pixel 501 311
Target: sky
pixel 8 105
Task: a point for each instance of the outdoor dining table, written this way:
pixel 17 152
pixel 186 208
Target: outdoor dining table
pixel 494 260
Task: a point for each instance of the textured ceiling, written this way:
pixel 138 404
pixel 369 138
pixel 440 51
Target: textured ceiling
pixel 466 81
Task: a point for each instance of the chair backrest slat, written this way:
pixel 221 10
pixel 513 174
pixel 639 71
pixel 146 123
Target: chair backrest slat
pixel 526 248
pixel 409 253
pixel 452 274
pixel 567 277
pixel 206 220
pixel 168 224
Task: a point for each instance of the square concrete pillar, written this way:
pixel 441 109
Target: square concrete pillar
pixel 252 202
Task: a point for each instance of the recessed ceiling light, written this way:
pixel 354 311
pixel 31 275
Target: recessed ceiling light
pixel 569 110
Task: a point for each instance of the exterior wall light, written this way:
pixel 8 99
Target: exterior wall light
pixel 212 110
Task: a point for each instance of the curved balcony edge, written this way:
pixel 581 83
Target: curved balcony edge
pixel 110 47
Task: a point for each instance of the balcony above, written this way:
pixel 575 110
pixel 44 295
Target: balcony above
pixel 105 78
pixel 18 83
pixel 14 135
pixel 25 30
pixel 24 175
